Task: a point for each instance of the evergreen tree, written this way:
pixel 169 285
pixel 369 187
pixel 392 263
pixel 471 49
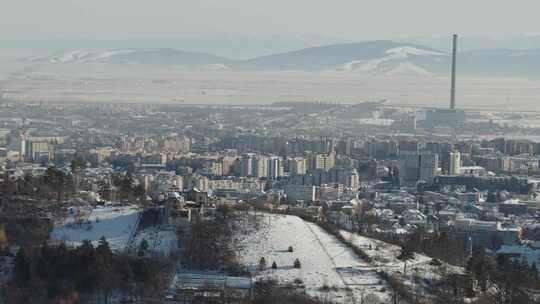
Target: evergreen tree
pixel 534 271
pixel 52 274
pixel 126 186
pixel 297 264
pixel 406 254
pixel 86 250
pixel 22 266
pixel 143 248
pixel 139 192
pixel 262 264
pixel 478 268
pixel 103 249
pixel 274 265
pixel 104 264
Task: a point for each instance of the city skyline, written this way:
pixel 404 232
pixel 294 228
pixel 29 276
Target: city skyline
pixel 269 152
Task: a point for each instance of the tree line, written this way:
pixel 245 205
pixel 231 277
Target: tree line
pixel 501 279
pixel 88 274
pixel 210 243
pixel 53 185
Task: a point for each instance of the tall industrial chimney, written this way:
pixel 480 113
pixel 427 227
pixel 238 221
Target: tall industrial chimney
pixel 453 88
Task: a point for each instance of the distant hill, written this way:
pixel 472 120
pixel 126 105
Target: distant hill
pixel 372 58
pixel 500 63
pixel 136 56
pixel 379 57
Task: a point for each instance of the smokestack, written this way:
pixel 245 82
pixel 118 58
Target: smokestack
pixel 453 88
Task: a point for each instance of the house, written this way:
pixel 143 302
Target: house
pixel 209 288
pixel 486 233
pixel 413 217
pixel 197 196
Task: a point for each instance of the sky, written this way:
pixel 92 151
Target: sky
pixel 249 28
pixel 349 19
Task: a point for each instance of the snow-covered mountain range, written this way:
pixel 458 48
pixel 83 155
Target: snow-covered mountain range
pixel 135 56
pixel 370 57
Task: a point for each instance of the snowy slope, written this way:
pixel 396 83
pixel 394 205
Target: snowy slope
pixel 374 57
pixel 162 241
pixel 69 56
pixel 407 68
pixel 379 57
pixel 325 260
pixel 389 65
pixel 104 56
pixel 384 257
pixel 408 50
pixel 136 56
pixel 394 61
pixel 114 223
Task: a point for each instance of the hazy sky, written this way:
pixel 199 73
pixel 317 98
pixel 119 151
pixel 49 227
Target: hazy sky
pixel 349 19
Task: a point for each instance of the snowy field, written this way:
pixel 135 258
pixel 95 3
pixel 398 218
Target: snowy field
pixel 151 84
pixel 114 223
pixel 326 262
pixel 384 257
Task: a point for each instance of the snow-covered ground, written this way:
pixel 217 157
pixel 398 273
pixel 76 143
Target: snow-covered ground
pixel 161 240
pixel 384 257
pixel 95 82
pixel 325 260
pixel 115 223
pixel 408 50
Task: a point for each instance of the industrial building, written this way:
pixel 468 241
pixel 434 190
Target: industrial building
pixel 449 118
